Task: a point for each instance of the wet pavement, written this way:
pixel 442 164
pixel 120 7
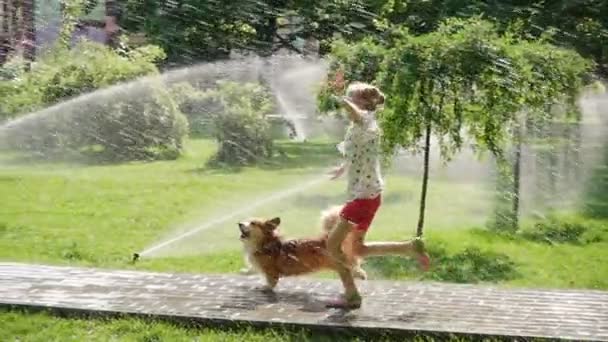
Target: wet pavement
pixel 398 307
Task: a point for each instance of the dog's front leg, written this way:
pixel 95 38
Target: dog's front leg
pixel 248 269
pixel 271 282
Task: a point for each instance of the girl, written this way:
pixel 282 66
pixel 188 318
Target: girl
pixel 361 152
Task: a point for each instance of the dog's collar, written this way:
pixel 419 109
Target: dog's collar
pixel 269 248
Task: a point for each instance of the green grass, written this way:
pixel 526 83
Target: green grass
pixel 19 326
pixel 34 327
pixel 98 215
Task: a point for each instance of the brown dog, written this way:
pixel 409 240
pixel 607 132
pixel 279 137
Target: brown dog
pixel 275 257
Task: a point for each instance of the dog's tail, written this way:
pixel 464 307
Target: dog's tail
pixel 329 218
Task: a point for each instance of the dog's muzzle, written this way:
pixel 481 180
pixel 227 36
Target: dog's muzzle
pixel 244 232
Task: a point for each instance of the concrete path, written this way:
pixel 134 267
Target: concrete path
pixel 398 307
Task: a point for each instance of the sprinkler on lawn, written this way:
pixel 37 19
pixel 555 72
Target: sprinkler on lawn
pixel 135 257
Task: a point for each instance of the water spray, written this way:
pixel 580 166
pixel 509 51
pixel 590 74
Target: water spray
pixel 212 223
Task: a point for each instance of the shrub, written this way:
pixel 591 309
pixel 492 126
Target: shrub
pixel 596 194
pixel 471 265
pixel 553 231
pixel 138 120
pixel 572 230
pixel 239 123
pixel 62 74
pixel 197 106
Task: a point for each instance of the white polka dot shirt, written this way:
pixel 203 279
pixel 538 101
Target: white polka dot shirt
pixel 361 151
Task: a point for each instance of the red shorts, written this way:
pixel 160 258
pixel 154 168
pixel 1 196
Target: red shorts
pixel 361 211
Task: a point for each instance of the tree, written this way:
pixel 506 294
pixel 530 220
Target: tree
pixel 29 30
pixel 553 78
pixel 447 83
pixel 463 80
pixel 192 30
pixel 17 29
pixel 5 40
pixel 239 124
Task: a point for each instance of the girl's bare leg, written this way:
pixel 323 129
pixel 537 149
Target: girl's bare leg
pixel 334 245
pixel 350 247
pixel 413 248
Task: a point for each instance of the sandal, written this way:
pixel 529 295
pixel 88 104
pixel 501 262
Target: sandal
pixel 352 303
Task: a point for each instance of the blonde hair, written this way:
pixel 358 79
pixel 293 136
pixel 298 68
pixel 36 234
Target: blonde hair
pixel 371 95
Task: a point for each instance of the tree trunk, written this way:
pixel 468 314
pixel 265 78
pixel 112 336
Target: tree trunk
pixel 15 24
pixel 267 27
pixel 516 178
pixel 266 33
pixel 5 41
pixel 554 172
pixel 29 30
pixel 111 24
pixel 425 180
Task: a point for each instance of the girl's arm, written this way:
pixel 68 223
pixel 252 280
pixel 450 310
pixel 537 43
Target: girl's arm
pixel 338 171
pixel 354 112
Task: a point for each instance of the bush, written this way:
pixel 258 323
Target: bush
pixel 239 124
pixel 596 194
pixel 137 120
pixel 553 231
pixel 140 122
pixel 471 265
pixel 61 74
pixel 572 230
pixel 197 106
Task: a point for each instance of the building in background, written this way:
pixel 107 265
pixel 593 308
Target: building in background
pixel 28 27
pixel 17 28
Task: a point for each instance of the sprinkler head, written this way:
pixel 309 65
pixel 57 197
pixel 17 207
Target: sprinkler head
pixel 135 257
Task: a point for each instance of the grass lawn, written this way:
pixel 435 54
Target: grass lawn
pixel 96 215
pixel 17 326
pixel 99 215
pixel 41 327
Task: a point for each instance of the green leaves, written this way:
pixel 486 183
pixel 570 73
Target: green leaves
pixel 239 122
pixel 63 73
pixel 360 61
pixel 465 79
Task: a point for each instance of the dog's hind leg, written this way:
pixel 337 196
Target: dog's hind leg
pixel 329 218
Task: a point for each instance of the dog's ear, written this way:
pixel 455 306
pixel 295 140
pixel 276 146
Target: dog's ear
pixel 274 223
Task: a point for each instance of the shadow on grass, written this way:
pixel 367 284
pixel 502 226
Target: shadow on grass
pixel 288 155
pixel 76 158
pixel 303 154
